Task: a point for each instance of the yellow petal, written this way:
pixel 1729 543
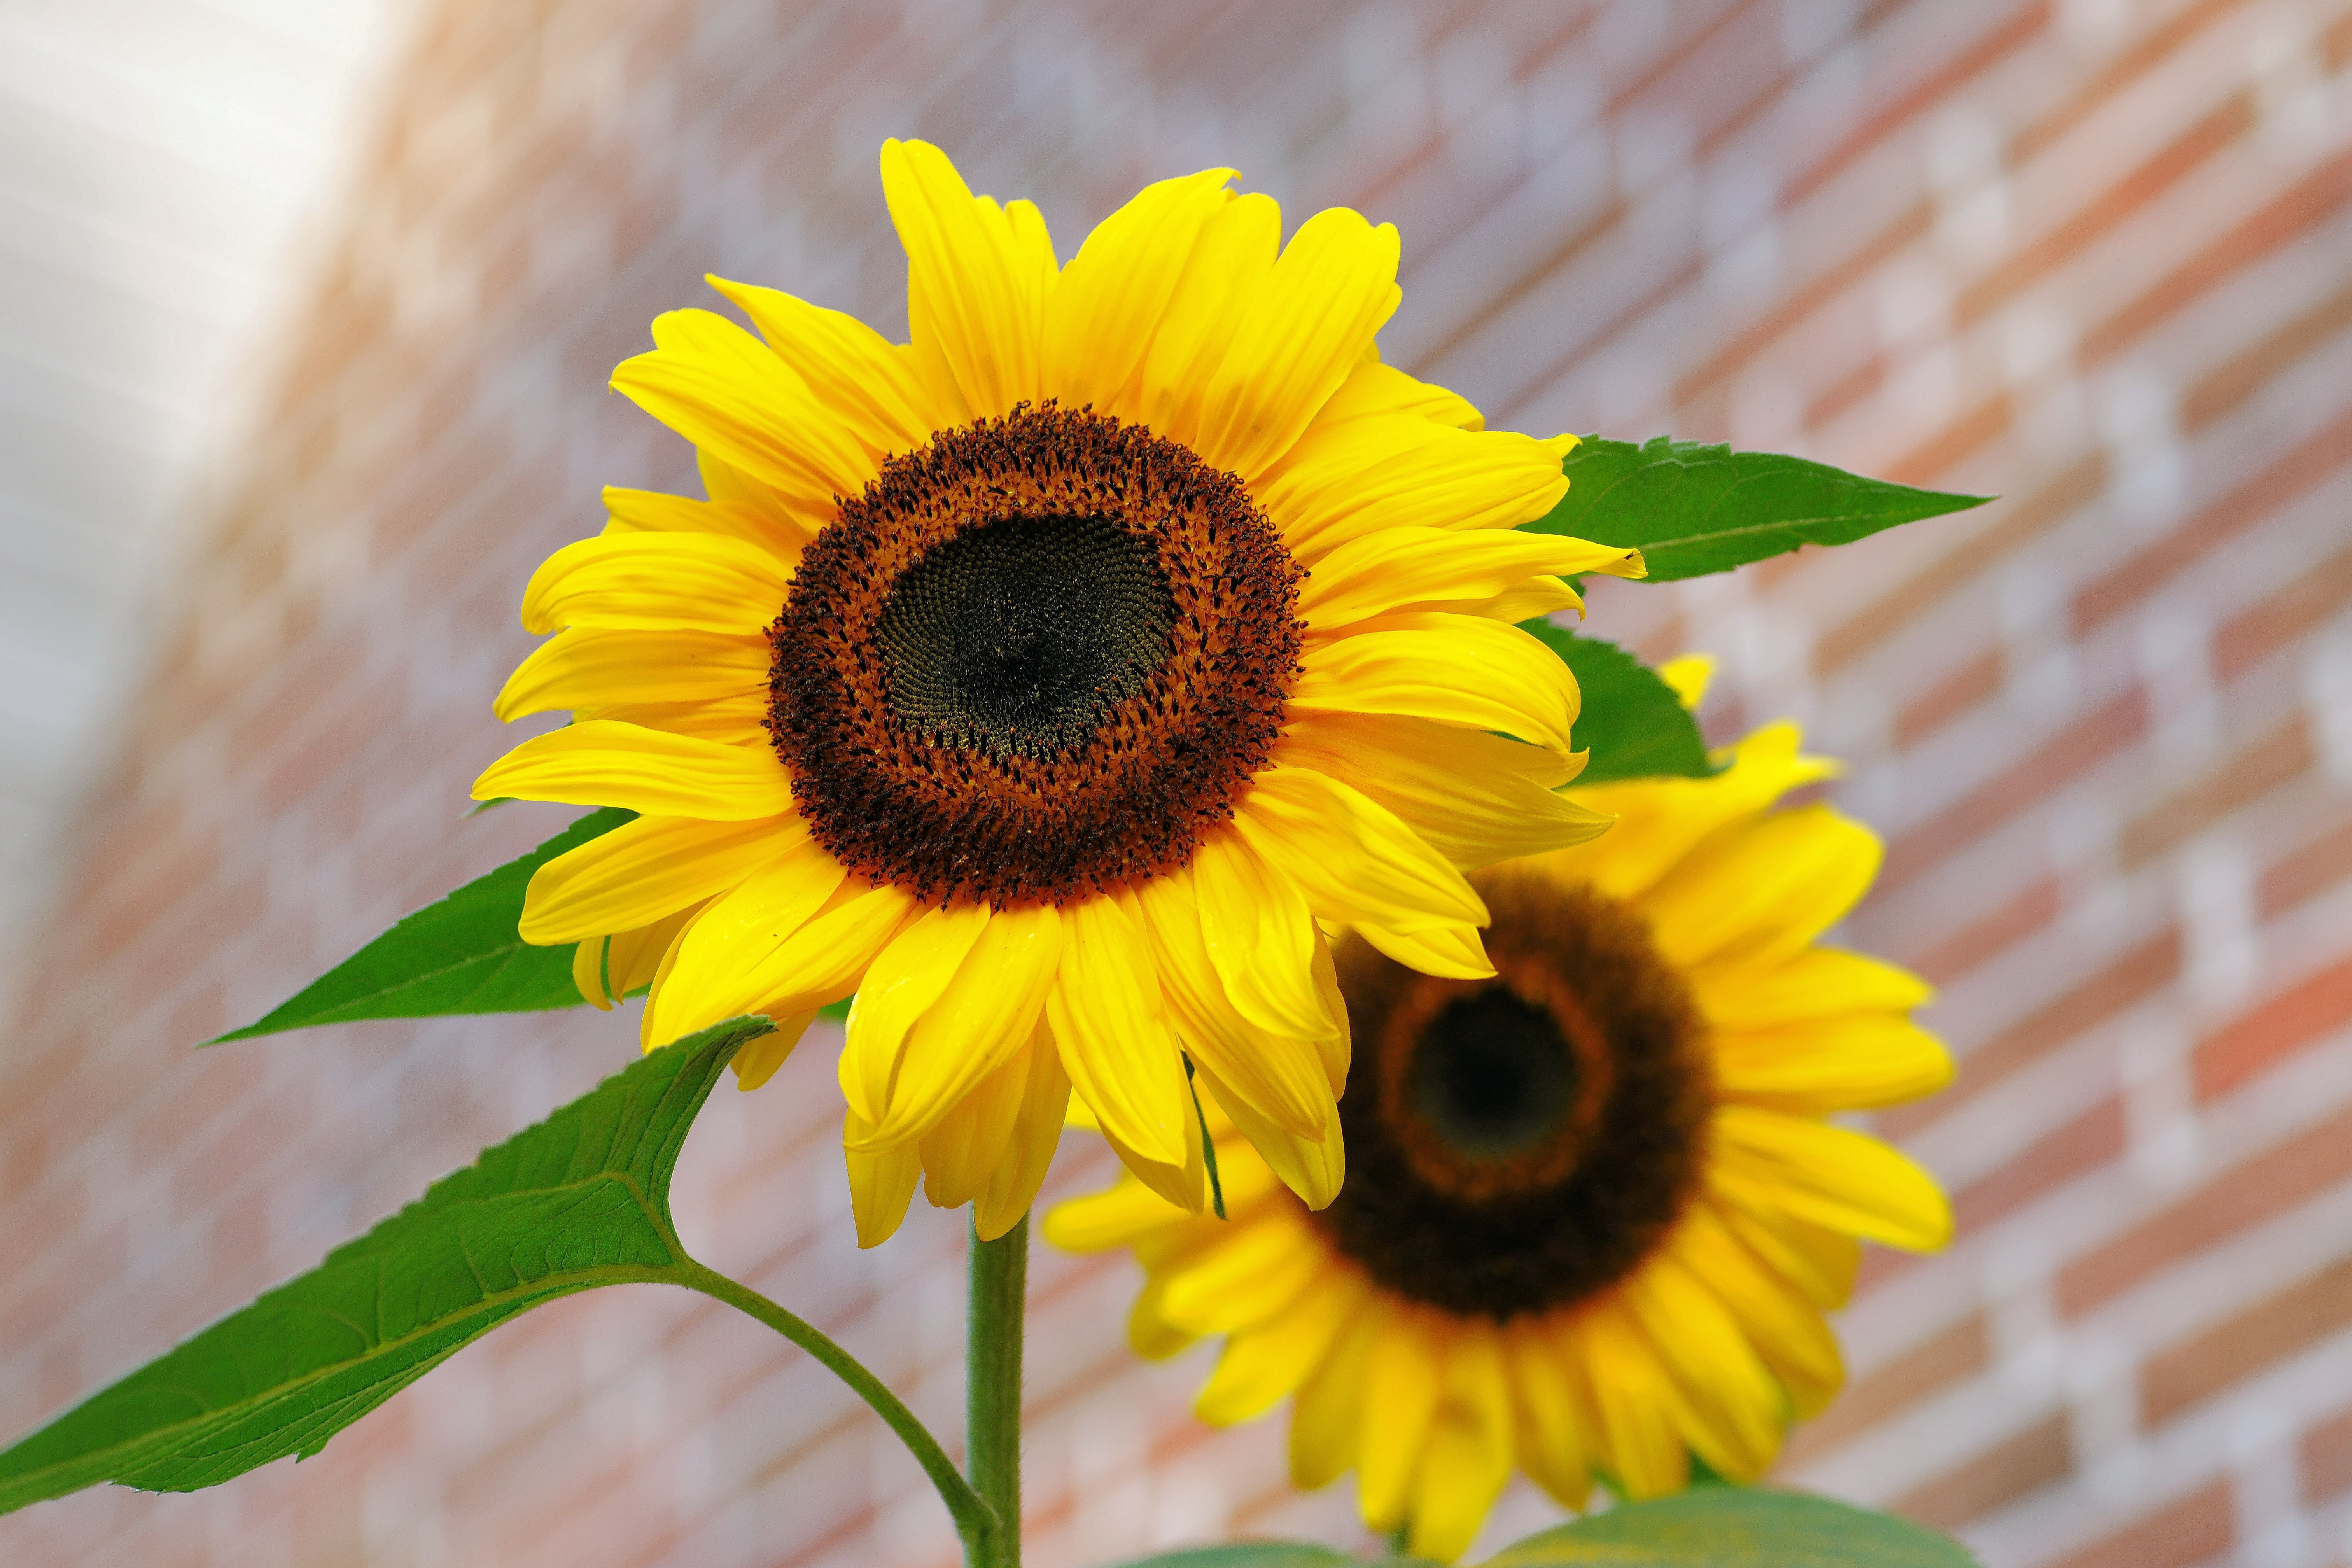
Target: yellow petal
pixel 1262 1364
pixel 976 277
pixel 1397 569
pixel 1473 797
pixel 646 770
pixel 1304 329
pixel 1820 1262
pixel 1786 1328
pixel 1468 1459
pixel 647 868
pixel 850 368
pixel 721 387
pixel 1857 1062
pixel 881 1183
pixel 1689 676
pixel 1281 1079
pixel 1251 1274
pixel 1182 1182
pixel 1660 820
pixel 1260 935
pixel 1373 388
pixel 1632 1400
pixel 657 582
pixel 905 978
pixel 731 722
pixel 1554 1429
pixel 586 668
pixel 756 1063
pixel 1353 859
pixel 1230 263
pixel 1029 1152
pixel 1314 1168
pixel 1765 891
pixel 1119 1216
pixel 1327 1421
pixel 1362 477
pixel 1457 670
pixel 979 1022
pixel 1403 1380
pixel 1732 1407
pixel 1816 983
pixel 1152 1339
pixel 798 935
pixel 1450 952
pixel 962 1148
pixel 764 524
pixel 1104 308
pixel 1112 1032
pixel 1831 1176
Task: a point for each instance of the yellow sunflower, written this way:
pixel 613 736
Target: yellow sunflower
pixel 1053 682
pixel 1594 1211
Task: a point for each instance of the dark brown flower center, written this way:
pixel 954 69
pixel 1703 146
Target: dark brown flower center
pixel 1522 1142
pixel 1035 658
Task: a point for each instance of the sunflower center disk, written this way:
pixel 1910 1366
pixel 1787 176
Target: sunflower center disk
pixel 1021 635
pixel 1038 657
pixel 1520 1144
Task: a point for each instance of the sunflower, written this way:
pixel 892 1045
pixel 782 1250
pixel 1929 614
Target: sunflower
pixel 1595 1210
pixel 1053 682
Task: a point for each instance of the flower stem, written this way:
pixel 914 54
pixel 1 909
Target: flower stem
pixel 1000 1284
pixel 974 1521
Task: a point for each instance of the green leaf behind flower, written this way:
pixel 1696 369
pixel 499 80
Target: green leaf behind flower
pixel 460 956
pixel 579 1201
pixel 1692 510
pixel 1631 725
pixel 1737 1527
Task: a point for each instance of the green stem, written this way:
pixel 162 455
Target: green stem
pixel 974 1519
pixel 1000 1285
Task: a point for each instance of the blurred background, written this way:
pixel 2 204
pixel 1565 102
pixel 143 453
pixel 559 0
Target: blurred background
pixel 305 315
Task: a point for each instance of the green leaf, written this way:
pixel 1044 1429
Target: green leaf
pixel 1693 510
pixel 1737 1527
pixel 460 956
pixel 1258 1555
pixel 1632 725
pixel 579 1201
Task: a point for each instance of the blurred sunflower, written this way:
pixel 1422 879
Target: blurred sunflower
pixel 990 683
pixel 1594 1211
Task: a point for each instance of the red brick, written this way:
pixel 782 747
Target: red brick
pixel 1964 688
pixel 2262 630
pixel 1990 934
pixel 2021 269
pixel 2326 1455
pixel 2306 873
pixel 2303 467
pixel 2082 1007
pixel 2087 1142
pixel 2074 749
pixel 2183 1532
pixel 1953 1356
pixel 2276 223
pixel 2197 1368
pixel 2248 1193
pixel 2247 774
pixel 2278 1030
pixel 2030 1459
pixel 2014 525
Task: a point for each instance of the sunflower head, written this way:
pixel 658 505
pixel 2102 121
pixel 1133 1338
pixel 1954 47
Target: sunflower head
pixel 1059 682
pixel 1595 1211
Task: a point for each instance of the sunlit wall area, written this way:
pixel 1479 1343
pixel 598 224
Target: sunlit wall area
pixel 167 168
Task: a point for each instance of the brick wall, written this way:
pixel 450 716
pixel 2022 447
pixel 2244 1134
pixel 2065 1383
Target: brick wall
pixel 2088 255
